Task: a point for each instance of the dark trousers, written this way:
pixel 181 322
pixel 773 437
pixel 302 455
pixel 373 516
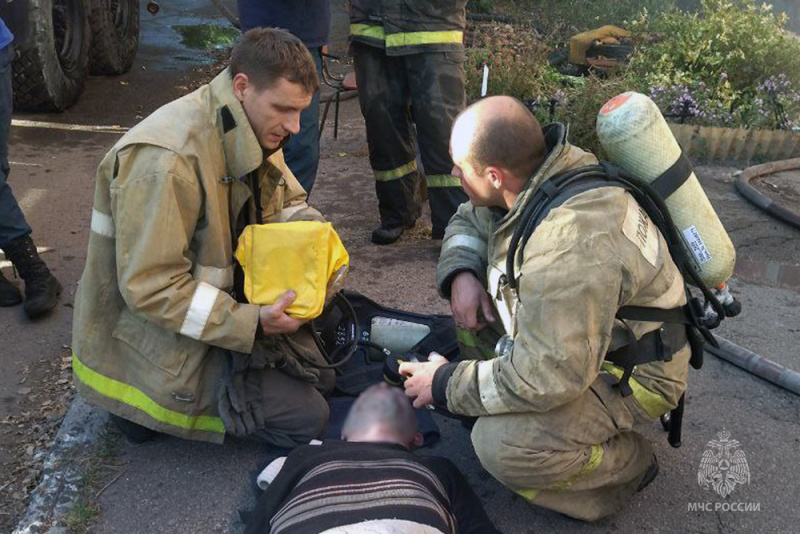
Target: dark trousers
pixel 302 151
pixel 12 221
pixel 397 94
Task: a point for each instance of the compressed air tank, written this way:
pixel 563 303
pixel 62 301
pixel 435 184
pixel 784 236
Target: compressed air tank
pixel 636 137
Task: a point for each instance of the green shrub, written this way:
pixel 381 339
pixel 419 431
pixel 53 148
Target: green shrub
pixel 567 17
pixel 732 58
pixel 725 63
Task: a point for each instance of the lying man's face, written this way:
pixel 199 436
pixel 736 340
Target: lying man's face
pixel 273 112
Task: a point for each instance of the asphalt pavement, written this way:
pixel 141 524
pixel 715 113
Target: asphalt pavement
pixel 170 485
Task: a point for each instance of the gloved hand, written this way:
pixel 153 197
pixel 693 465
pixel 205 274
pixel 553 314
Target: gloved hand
pixel 240 402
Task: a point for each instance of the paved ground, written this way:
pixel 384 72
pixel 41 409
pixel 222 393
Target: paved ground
pixel 171 485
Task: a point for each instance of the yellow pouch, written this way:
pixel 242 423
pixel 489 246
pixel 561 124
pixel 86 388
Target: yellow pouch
pixel 306 257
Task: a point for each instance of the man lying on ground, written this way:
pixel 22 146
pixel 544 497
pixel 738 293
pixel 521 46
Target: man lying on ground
pixel 370 481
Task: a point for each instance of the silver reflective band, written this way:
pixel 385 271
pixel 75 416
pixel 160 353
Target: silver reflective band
pixel 490 396
pixel 466 241
pixel 103 224
pixel 220 277
pixel 199 310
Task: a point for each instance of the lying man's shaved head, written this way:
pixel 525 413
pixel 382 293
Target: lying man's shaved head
pixel 499 131
pixel 381 413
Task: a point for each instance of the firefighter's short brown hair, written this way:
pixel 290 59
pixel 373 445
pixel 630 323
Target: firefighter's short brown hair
pixel 266 55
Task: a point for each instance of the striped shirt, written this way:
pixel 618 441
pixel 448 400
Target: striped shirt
pixel 339 484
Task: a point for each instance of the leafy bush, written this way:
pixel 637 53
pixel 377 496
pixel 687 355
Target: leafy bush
pixel 732 58
pixel 726 63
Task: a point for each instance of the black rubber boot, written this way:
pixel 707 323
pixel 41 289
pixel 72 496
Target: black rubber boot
pixel 9 294
pixel 41 287
pixel 133 432
pixel 383 235
pixel 649 475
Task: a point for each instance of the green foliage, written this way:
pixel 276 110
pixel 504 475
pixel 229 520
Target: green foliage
pixel 583 15
pixel 524 77
pixel 580 105
pixel 734 55
pixel 744 41
pixel 724 63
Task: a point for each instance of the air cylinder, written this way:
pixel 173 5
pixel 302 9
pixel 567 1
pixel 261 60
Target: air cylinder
pixel 636 137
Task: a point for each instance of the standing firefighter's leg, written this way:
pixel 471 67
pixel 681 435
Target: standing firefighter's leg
pixel 581 459
pixel 437 90
pixel 383 96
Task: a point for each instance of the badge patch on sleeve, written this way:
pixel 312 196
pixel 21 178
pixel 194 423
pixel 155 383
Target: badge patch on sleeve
pixel 641 231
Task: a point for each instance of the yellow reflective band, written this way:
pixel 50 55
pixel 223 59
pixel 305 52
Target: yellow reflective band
pixel 423 38
pixel 595 459
pixel 653 404
pixel 528 494
pixel 131 396
pixel 442 180
pixel 365 30
pixel 394 174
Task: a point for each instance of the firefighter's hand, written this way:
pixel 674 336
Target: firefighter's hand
pixel 419 381
pixel 274 319
pixel 472 309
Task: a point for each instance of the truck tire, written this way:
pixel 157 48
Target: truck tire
pixel 115 35
pixel 51 70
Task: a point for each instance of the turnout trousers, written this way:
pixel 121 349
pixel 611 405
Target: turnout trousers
pixel 582 459
pixel 397 93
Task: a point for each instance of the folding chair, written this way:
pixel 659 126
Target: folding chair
pixel 344 88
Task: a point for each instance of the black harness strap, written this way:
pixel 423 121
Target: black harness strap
pixel 680 324
pixel 674 177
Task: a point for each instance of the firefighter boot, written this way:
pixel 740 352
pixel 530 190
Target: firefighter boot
pixel 9 294
pixel 41 287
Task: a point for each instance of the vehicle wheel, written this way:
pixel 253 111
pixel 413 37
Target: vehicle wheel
pixel 115 35
pixel 50 73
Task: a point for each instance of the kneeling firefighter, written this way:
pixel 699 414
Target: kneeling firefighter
pixel 566 280
pixel 163 337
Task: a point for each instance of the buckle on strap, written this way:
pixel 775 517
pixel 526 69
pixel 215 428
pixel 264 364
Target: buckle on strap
pixel 658 345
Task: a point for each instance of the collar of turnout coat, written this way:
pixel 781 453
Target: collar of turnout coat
pixel 243 153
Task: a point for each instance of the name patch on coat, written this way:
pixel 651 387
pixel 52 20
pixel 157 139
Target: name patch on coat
pixel 641 231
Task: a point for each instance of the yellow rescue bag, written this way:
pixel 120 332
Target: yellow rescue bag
pixel 306 257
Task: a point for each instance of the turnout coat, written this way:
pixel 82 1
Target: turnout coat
pixel 155 295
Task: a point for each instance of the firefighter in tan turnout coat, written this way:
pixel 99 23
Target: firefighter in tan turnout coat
pixel 552 425
pixel 156 301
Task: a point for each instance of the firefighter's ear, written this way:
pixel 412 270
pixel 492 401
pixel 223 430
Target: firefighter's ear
pixel 495 176
pixel 241 84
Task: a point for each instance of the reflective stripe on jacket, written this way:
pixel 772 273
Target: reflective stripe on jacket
pixel 593 254
pixel 154 296
pixel 408 26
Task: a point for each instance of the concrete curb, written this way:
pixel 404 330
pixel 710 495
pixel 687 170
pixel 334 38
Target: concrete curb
pixel 59 487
